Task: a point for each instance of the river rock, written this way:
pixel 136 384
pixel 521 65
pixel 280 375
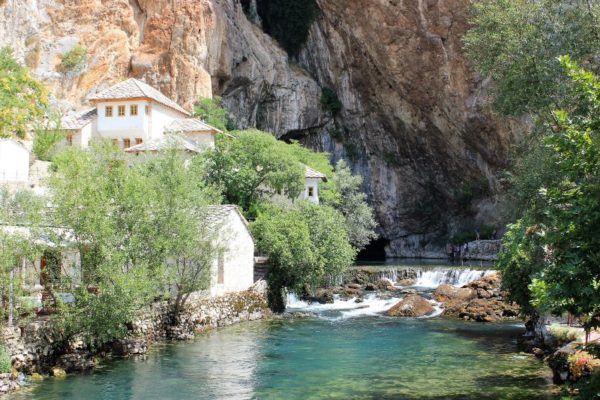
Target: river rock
pixel 447 292
pixel 385 284
pixel 481 300
pixel 407 282
pixel 323 296
pixel 59 373
pixel 411 306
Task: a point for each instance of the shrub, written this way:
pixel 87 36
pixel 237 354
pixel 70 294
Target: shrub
pixel 5 364
pixel 74 59
pixel 582 364
pixel 330 101
pixel 564 335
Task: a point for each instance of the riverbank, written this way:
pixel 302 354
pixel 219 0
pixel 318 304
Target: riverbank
pixel 37 349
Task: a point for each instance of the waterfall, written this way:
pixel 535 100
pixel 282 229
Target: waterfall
pixel 390 274
pixel 456 277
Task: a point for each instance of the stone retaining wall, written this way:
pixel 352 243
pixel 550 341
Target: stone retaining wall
pixel 37 350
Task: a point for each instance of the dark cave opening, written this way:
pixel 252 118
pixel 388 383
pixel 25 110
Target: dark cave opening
pixel 374 251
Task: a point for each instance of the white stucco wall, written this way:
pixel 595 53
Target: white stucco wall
pixel 14 161
pixel 311 183
pixel 161 117
pixel 126 127
pixel 202 139
pixel 238 257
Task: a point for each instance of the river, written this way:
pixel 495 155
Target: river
pixel 347 350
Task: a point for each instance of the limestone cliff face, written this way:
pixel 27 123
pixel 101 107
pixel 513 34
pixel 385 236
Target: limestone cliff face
pixel 411 122
pixel 186 48
pixel 412 108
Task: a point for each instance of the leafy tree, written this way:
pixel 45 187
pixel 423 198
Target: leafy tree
pixel 17 244
pixel 182 236
pixel 562 264
pixel 251 164
pixel 517 43
pixel 352 203
pixel 48 133
pixel 141 230
pixel 213 113
pixel 306 244
pixel 22 99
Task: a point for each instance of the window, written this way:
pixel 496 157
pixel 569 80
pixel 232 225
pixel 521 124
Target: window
pixel 108 111
pixel 70 139
pixel 311 191
pixel 221 269
pixel 133 109
pixel 138 140
pixel 121 111
pixel 127 143
pixel 147 110
pixel 115 142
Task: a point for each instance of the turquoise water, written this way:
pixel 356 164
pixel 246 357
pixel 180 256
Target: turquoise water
pixel 331 357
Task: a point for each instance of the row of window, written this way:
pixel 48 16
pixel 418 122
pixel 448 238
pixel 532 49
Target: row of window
pixel 127 142
pixel 116 142
pixel 133 110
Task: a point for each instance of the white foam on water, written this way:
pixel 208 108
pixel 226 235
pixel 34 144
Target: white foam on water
pixel 456 277
pixel 347 308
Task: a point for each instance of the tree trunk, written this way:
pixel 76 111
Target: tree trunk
pixel 276 299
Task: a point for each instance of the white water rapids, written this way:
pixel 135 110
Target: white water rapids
pixel 371 304
pixel 456 277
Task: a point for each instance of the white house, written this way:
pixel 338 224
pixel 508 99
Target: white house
pixel 311 190
pixel 131 113
pixel 14 162
pixel 233 268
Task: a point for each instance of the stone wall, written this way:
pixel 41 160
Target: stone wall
pixel 37 350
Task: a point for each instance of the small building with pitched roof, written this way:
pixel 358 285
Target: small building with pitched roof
pixel 311 189
pixel 131 113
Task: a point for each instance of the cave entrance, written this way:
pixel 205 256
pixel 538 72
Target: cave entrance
pixel 374 251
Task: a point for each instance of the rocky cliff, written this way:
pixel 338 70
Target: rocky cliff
pixel 411 123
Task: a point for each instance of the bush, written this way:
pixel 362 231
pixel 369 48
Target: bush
pixel 330 101
pixel 74 59
pixel 590 389
pixel 5 364
pixel 564 335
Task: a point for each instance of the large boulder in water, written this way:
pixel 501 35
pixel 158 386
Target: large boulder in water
pixel 447 292
pixel 412 305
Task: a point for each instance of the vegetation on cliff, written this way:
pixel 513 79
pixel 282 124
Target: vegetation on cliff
pixel 23 100
pixel 288 21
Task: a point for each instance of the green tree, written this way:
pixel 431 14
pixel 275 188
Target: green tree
pixel 20 228
pixel 306 244
pixel 182 236
pixel 48 133
pixel 142 231
pixel 213 113
pixel 561 265
pixel 251 164
pixel 517 44
pixel 22 98
pixel 352 203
